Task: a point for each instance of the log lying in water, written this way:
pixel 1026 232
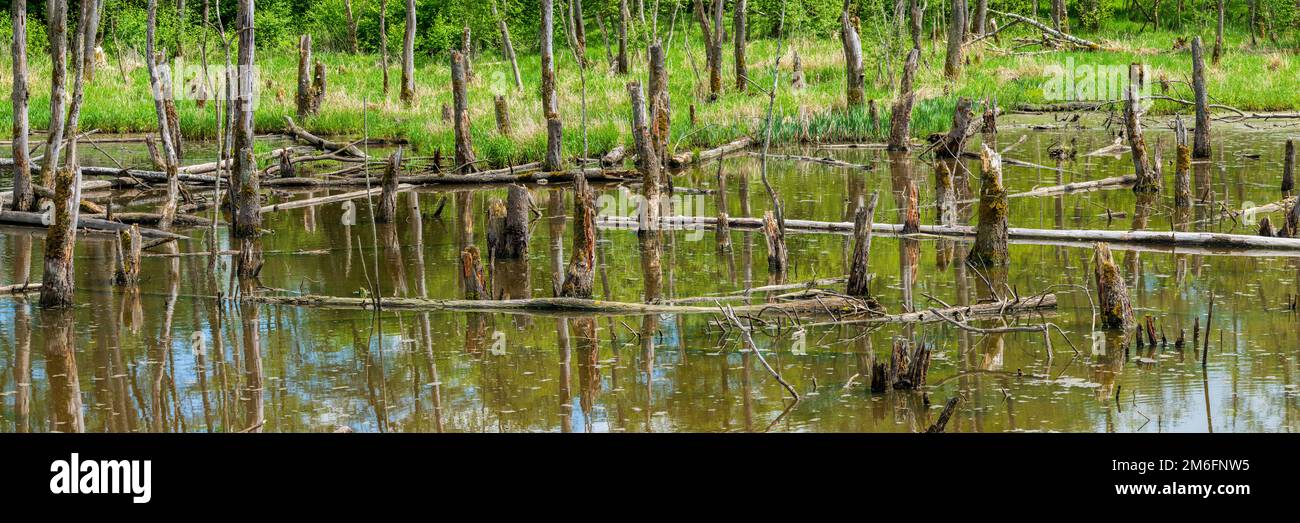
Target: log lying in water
pixel 1093 185
pixel 1181 239
pixel 498 176
pixel 812 159
pixel 993 309
pixel 320 143
pixel 32 219
pixel 819 305
pixel 312 202
pixel 687 158
pixel 22 288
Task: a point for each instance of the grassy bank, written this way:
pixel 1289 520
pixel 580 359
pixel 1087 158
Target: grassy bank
pixel 1249 79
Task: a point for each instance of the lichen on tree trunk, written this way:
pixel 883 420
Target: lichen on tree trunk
pixel 990 248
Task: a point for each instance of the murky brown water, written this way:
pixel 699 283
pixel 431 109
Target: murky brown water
pixel 124 362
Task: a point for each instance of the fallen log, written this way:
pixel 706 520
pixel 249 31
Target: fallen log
pixel 1086 44
pixel 1053 190
pixel 22 288
pixel 320 143
pixel 592 175
pixel 818 305
pixel 86 223
pixel 145 218
pixel 812 159
pixel 993 309
pixel 687 158
pixel 1170 238
pixel 312 202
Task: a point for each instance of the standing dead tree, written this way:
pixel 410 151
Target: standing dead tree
pixel 956 37
pixel 855 77
pixel 647 161
pixel 507 47
pixel 901 119
pixel 1112 293
pixel 471 274
pixel 388 195
pixel 550 103
pixel 622 66
pixel 1201 140
pixel 740 30
pixel 990 248
pixel 713 36
pixel 1182 167
pixel 579 28
pixel 1147 180
pixel 1218 33
pixel 660 112
pixel 352 27
pixel 464 146
pixel 23 198
pixel 408 56
pixel 244 178
pixel 383 43
pixel 58 31
pixel 579 277
pixel 160 93
pixel 466 48
pixel 1288 167
pixel 859 275
pixel 953 144
pixel 305 95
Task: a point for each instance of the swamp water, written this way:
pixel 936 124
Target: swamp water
pixel 125 361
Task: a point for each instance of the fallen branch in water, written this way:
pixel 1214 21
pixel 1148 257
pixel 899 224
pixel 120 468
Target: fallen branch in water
pixel 690 157
pixel 812 159
pixel 23 288
pixel 730 313
pixel 321 143
pixel 944 416
pixel 979 310
pixel 1114 182
pixel 85 223
pixel 312 202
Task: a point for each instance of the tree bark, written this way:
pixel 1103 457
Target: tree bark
pixel 244 179
pixel 648 162
pixel 383 43
pixel 508 48
pixel 464 145
pixel 129 244
pixel 797 80
pixel 466 50
pixel 513 243
pixel 956 37
pixel 980 23
pixel 901 119
pixel 408 56
pixel 471 274
pixel 388 198
pixel 991 235
pixel 859 277
pixel 954 143
pixel 305 95
pixel 1288 167
pixel 57 27
pixel 1146 177
pixel 1182 167
pixel 579 31
pixel 579 276
pixel 778 259
pixel 1218 34
pixel 660 123
pixel 918 19
pixel 23 198
pixel 352 27
pixel 550 104
pixel 1112 292
pixel 503 115
pixel 622 66
pixel 740 28
pixel 1060 16
pixel 853 72
pixel 1201 140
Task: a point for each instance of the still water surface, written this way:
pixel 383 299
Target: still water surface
pixel 125 362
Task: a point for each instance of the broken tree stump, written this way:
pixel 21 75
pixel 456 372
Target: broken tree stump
pixel 859 275
pixel 579 276
pixel 513 241
pixel 647 161
pixel 503 115
pixel 129 245
pixel 901 119
pixel 953 143
pixel 471 274
pixel 465 159
pixel 1288 167
pixel 1146 178
pixel 777 257
pixel 990 247
pixel 305 96
pixel 1112 292
pixel 1182 167
pixel 388 197
pixel 912 213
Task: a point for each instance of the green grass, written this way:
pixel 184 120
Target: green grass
pixel 1249 79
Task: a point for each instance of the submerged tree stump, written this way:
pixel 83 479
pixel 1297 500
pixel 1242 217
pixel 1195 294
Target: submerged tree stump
pixel 129 244
pixel 388 198
pixel 464 145
pixel 859 269
pixel 503 115
pixel 1112 292
pixel 777 256
pixel 579 276
pixel 1182 167
pixel 912 213
pixel 647 161
pixel 990 247
pixel 471 274
pixel 901 119
pixel 513 242
pixel 952 144
pixel 1288 167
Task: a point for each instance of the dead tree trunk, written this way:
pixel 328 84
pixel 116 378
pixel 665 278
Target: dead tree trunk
pixel 918 20
pixel 901 119
pixel 514 241
pixel 129 243
pixel 305 95
pixel 797 80
pixel 647 160
pixel 855 77
pixel 990 124
pixel 471 274
pixel 990 247
pixel 859 277
pixel 503 115
pixel 352 28
pixel 956 37
pixel 711 27
pixel 58 30
pixel 579 276
pixel 408 56
pixel 1060 16
pixel 318 88
pixel 1182 167
pixel 550 105
pixel 980 22
pixel 1218 34
pixel 23 197
pixel 622 66
pixel 1147 181
pixel 244 179
pixel 579 32
pixel 464 145
pixel 166 119
pixel 952 144
pixel 1288 167
pixel 740 28
pixel 466 46
pixel 388 197
pixel 912 213
pixel 383 43
pixel 778 259
pixel 1112 292
pixel 660 116
pixel 1201 140
pixel 508 47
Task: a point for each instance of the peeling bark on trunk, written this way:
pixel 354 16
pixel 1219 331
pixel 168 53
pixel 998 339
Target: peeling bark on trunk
pixel 647 162
pixel 859 270
pixel 854 75
pixel 464 145
pixel 956 37
pixel 579 276
pixel 23 198
pixel 244 179
pixel 1112 292
pixel 550 104
pixel 388 197
pixel 740 28
pixel 901 119
pixel 408 56
pixel 1201 141
pixel 990 247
